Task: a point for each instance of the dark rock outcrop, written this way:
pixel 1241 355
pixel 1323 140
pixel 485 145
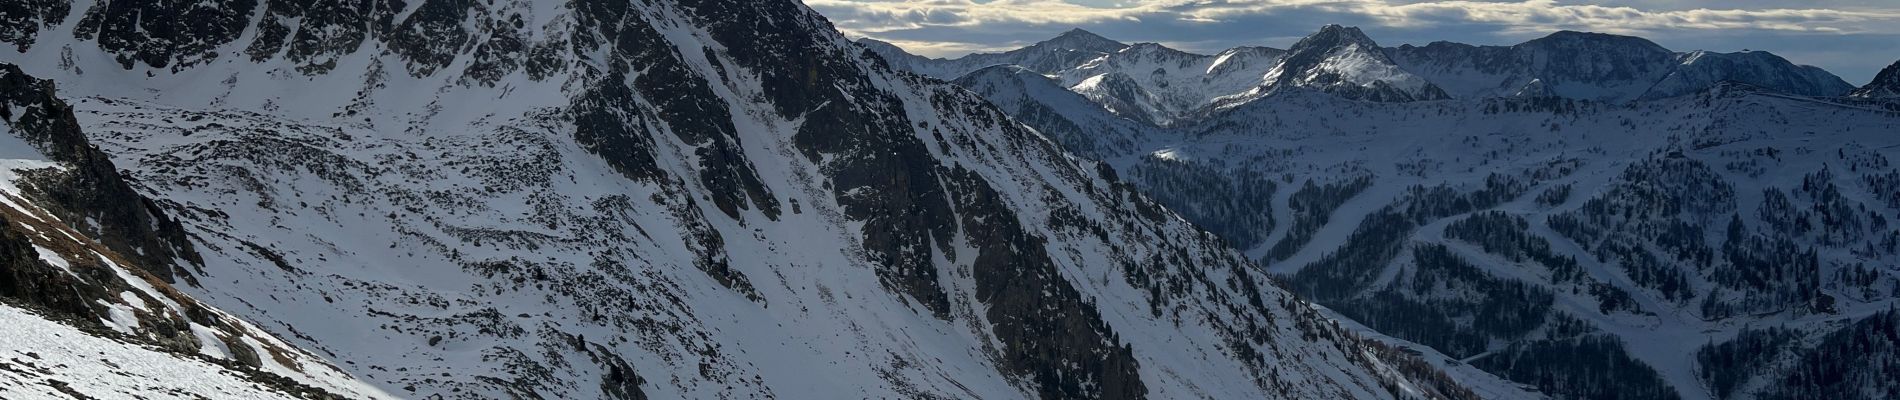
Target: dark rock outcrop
pixel 21 20
pixel 1886 84
pixel 90 195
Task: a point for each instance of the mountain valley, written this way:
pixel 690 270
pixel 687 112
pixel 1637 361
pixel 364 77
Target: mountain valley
pixel 1665 225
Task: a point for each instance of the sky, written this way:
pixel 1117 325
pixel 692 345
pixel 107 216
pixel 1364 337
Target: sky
pixel 1851 38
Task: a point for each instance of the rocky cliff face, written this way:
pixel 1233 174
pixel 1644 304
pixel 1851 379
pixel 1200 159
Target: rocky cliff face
pixel 691 198
pixel 90 193
pixel 1886 84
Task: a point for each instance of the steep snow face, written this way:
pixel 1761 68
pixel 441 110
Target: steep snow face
pixel 1068 118
pixel 1886 84
pixel 1716 245
pixel 673 199
pixel 1602 67
pixel 1119 94
pixel 1151 82
pixel 1343 61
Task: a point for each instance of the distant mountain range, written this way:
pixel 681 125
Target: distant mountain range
pixel 1153 83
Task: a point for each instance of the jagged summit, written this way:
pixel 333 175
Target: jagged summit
pixel 1344 61
pixel 1886 84
pixel 1334 35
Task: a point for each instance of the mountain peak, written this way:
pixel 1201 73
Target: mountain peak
pixel 1079 32
pixel 1329 41
pixel 1576 39
pixel 1343 61
pixel 1079 39
pixel 1886 84
pixel 1334 35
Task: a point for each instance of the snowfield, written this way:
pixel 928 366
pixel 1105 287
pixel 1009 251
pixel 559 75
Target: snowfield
pixel 42 359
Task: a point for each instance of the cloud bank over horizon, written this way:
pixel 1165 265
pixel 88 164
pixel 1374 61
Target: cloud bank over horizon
pixel 1851 38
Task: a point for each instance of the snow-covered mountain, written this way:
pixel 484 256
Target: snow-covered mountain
pixel 1145 81
pixel 1153 83
pixel 1699 70
pixel 1886 84
pixel 613 199
pixel 1064 51
pixel 1570 64
pixel 1343 61
pixel 1603 67
pixel 1066 117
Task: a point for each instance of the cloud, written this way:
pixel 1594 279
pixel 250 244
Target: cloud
pixel 874 16
pixel 1545 15
pixel 954 27
pixel 871 16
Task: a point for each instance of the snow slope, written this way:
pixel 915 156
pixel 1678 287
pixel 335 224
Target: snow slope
pixel 67 252
pixel 673 199
pixel 46 360
pixel 1162 85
